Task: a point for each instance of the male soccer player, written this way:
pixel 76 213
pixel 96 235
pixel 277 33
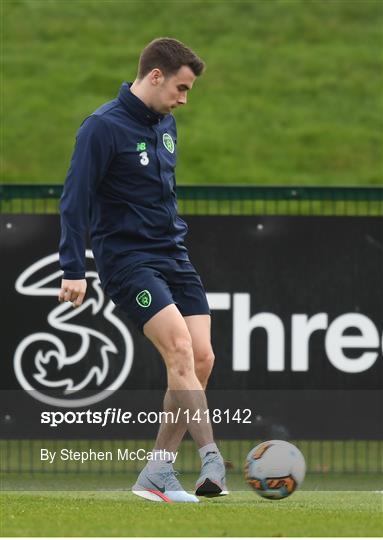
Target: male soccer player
pixel 121 186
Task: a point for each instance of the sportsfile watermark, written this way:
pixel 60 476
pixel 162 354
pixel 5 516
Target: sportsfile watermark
pixel 233 414
pixel 117 439
pixel 113 415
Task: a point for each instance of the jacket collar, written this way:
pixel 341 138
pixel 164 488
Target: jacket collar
pixel 136 107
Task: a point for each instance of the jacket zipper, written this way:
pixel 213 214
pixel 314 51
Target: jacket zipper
pixel 162 182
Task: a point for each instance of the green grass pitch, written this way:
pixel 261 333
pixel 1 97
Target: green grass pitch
pixel 242 513
pixel 75 501
pixel 71 504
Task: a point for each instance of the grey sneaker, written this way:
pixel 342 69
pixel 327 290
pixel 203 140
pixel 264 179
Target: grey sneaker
pixel 212 482
pixel 161 486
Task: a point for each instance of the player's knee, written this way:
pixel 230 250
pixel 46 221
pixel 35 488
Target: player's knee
pixel 179 348
pixel 180 364
pixel 204 363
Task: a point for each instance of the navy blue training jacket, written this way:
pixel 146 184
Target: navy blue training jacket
pixel 121 187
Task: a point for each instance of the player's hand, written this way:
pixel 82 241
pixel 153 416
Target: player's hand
pixel 72 290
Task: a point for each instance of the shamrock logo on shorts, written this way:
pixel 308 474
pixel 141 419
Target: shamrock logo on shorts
pixel 144 298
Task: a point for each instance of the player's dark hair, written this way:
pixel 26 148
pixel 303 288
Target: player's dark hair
pixel 168 55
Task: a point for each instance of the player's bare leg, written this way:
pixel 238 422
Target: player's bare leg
pixel 199 327
pixel 170 434
pixel 169 332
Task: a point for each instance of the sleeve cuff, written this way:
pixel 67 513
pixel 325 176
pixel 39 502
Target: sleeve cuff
pixel 73 275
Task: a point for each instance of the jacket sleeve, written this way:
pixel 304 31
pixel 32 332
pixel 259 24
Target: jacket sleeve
pixel 92 155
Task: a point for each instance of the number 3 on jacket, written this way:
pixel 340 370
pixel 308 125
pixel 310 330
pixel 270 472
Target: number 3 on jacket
pixel 144 158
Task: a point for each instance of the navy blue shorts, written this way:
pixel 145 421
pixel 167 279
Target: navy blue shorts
pixel 146 288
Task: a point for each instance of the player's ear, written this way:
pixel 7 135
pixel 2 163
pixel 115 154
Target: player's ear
pixel 156 76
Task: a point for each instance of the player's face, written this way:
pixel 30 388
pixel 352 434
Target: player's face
pixel 172 91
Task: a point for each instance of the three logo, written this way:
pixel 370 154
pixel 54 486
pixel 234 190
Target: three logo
pixel 76 363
